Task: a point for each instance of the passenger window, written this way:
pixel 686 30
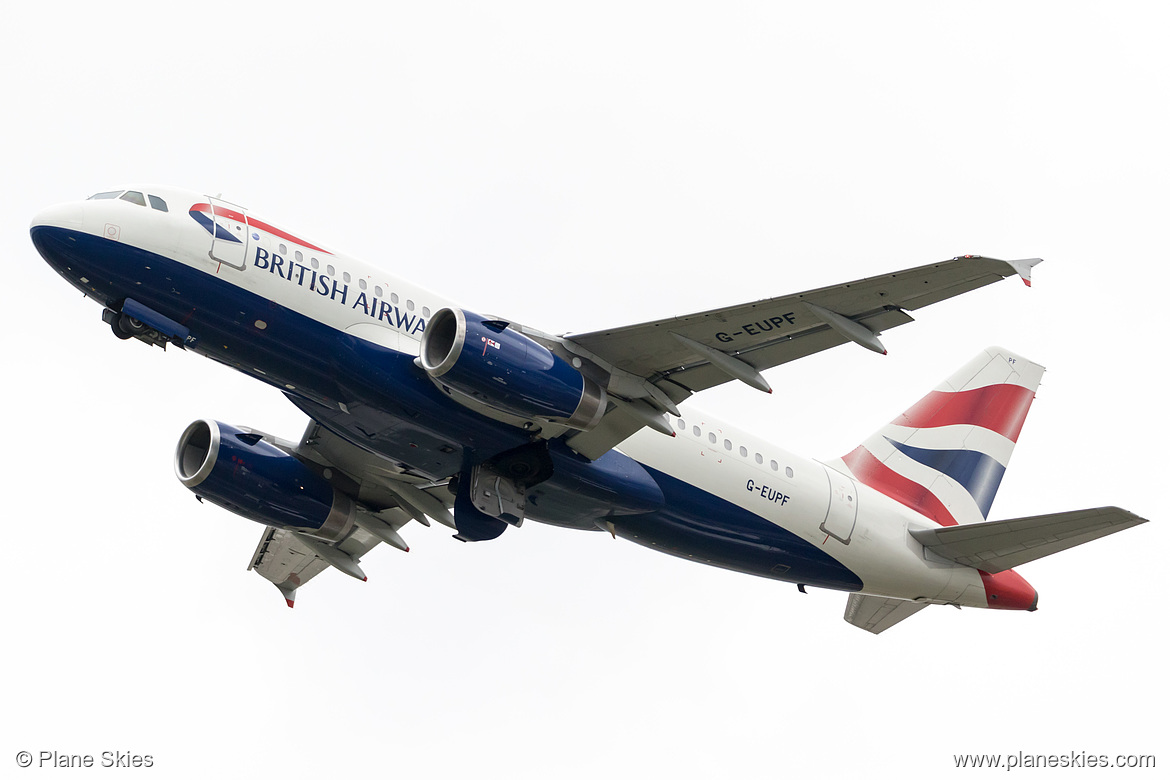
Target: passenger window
pixel 345 276
pixel 696 431
pixel 135 198
pixel 727 444
pixel 106 195
pixel 775 466
pixel 743 452
pixel 394 298
pixel 682 424
pixel 300 258
pixel 712 438
pixel 329 271
pixel 426 312
pixel 377 291
pixel 314 262
pixel 759 458
pixel 362 283
pixel 410 305
pixel 283 249
pixel 788 471
pixel 157 203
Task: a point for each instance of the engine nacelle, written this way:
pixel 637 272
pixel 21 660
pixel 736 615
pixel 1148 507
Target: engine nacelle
pixel 244 474
pixel 505 370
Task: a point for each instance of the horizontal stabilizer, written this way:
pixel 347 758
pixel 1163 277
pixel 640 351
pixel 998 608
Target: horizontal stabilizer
pixel 1004 544
pixel 877 613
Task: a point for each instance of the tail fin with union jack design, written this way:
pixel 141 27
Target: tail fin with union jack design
pixel 944 457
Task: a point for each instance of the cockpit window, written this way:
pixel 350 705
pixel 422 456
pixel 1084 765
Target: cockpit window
pixel 135 197
pixel 106 195
pixel 157 203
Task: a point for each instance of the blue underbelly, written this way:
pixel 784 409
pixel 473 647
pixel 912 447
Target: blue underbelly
pixel 698 526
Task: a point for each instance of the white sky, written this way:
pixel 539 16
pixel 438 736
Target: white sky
pixel 572 169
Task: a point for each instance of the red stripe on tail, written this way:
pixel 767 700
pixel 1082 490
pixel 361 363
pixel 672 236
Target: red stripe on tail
pixel 871 471
pixel 1000 408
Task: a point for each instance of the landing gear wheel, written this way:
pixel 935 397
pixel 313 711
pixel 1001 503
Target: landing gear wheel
pixel 130 325
pixel 116 327
pixel 126 327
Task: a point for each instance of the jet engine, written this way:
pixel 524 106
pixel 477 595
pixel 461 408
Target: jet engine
pixel 241 472
pixel 504 369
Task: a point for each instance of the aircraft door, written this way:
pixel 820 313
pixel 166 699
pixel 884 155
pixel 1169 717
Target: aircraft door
pixel 229 236
pixel 842 514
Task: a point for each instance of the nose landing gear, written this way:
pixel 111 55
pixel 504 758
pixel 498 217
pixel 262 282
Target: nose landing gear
pixel 132 320
pixel 126 327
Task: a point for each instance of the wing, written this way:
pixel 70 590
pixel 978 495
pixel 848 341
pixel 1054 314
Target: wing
pixel 385 500
pixel 654 365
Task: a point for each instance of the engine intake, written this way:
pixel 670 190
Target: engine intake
pixel 504 369
pixel 239 471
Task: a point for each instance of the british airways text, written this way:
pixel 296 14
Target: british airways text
pixel 373 306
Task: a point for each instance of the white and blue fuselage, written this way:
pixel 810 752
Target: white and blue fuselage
pixel 340 338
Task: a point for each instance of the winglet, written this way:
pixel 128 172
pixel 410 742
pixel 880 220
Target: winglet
pixel 289 592
pixel 1024 268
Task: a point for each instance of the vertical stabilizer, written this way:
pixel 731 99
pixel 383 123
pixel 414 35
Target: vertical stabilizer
pixel 944 457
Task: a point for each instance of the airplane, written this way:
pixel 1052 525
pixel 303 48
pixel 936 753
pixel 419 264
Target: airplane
pixel 420 410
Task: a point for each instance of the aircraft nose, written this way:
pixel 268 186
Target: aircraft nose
pixel 60 215
pixel 51 232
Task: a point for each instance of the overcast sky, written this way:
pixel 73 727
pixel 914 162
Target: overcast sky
pixel 572 168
